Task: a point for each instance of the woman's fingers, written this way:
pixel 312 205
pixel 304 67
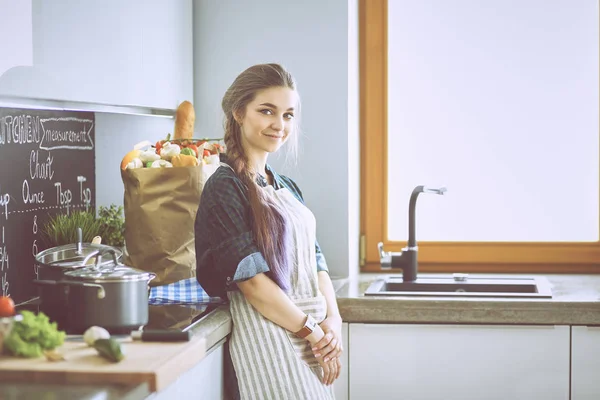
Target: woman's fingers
pixel 339 367
pixel 330 351
pixel 321 344
pixel 334 371
pixel 326 373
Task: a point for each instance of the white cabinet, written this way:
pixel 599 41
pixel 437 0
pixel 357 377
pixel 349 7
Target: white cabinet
pixel 340 386
pixel 126 53
pixel 585 363
pixel 203 382
pixel 467 362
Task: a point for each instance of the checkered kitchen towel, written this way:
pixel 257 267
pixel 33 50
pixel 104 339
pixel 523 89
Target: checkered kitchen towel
pixel 187 291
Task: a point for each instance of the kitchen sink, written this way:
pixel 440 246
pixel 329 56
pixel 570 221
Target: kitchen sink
pixel 461 285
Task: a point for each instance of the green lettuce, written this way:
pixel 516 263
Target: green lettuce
pixel 32 335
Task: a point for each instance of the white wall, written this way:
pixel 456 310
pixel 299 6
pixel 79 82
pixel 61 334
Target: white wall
pixel 318 43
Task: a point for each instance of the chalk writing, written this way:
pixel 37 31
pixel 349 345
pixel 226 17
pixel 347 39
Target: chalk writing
pixel 4 265
pixel 41 170
pixel 19 129
pixel 34 246
pixel 4 200
pixel 47 168
pixel 85 194
pixel 31 198
pixel 57 137
pixel 34 251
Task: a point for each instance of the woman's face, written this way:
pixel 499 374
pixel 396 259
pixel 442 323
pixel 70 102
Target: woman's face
pixel 269 120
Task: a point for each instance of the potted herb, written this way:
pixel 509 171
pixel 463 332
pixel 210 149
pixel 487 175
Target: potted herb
pixel 113 225
pixel 61 229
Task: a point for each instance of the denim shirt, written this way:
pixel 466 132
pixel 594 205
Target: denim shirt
pixel 226 251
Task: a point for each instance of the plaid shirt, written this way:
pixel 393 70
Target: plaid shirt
pixel 225 248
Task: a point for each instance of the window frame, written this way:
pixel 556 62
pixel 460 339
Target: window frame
pixel 482 257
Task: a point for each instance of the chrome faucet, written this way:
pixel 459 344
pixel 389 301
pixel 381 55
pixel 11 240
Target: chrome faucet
pixel 406 260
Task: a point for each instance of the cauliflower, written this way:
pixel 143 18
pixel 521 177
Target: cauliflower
pixel 169 150
pixel 135 163
pixel 161 164
pixel 148 156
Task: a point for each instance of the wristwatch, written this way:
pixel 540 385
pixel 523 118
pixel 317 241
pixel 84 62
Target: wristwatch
pixel 310 324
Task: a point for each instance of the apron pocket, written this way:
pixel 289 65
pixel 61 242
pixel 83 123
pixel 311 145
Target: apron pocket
pixel 317 308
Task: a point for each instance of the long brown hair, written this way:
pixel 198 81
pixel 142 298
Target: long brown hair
pixel 269 224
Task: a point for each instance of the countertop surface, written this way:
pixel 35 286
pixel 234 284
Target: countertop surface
pixel 575 301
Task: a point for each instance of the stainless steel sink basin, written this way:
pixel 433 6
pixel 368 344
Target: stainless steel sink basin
pixel 536 287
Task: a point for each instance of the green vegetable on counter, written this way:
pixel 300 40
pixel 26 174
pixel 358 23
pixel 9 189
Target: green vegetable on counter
pixel 32 335
pixel 109 349
pixel 188 152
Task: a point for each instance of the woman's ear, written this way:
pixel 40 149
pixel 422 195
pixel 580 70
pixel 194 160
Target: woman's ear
pixel 238 117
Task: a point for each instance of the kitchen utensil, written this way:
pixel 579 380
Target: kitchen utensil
pixel 160 335
pixel 52 265
pixel 113 296
pixel 95 240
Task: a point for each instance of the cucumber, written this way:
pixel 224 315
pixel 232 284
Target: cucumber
pixel 109 349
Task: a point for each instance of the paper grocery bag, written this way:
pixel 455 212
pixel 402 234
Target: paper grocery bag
pixel 160 206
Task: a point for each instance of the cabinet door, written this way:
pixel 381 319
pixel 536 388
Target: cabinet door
pixel 340 386
pixel 203 381
pixel 585 363
pixel 467 362
pixel 126 53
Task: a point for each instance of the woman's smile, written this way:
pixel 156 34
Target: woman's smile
pixel 272 136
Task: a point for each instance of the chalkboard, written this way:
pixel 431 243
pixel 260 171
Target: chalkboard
pixel 47 166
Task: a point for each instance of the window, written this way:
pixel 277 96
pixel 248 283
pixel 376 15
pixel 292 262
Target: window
pixel 500 105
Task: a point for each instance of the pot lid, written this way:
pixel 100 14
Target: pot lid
pixel 69 257
pixel 112 273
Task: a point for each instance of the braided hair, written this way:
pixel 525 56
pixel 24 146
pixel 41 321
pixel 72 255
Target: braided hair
pixel 269 223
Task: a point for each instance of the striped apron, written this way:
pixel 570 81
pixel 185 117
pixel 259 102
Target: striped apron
pixel 270 362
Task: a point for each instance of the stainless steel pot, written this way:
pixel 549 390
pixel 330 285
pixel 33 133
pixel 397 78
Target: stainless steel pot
pixel 113 296
pixel 52 265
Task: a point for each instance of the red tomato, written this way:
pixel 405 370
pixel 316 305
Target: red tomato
pixel 206 153
pixel 193 147
pixel 7 306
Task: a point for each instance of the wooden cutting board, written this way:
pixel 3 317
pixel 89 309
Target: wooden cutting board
pixel 158 364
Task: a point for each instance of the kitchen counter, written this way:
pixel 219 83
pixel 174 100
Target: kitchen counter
pixel 575 301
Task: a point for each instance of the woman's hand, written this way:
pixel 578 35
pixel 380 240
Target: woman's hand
pixel 331 370
pixel 330 346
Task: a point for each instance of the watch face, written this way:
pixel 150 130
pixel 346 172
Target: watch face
pixel 311 323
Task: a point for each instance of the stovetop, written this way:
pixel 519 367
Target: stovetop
pixel 167 316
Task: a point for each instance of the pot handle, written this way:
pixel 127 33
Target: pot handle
pixel 87 258
pixel 102 252
pixel 101 291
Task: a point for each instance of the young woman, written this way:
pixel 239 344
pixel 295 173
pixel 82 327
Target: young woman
pixel 256 246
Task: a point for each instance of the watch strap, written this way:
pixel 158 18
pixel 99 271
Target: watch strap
pixel 308 328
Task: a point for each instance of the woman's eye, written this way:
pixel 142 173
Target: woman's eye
pixel 288 115
pixel 266 111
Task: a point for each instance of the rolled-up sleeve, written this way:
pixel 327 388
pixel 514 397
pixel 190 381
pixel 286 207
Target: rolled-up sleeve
pixel 251 265
pixel 224 236
pixel 321 262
